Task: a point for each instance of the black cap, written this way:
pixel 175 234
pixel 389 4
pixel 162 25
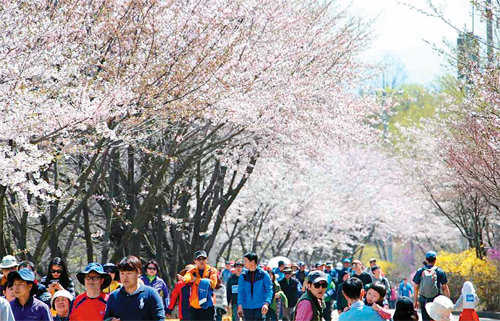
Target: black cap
pixel 200 253
pixel 317 276
pixel 280 263
pixel 376 267
pixel 239 262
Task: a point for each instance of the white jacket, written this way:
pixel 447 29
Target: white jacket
pixel 468 299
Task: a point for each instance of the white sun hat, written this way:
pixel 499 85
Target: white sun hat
pixel 440 309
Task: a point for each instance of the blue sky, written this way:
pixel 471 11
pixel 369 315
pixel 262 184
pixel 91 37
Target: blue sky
pixel 401 33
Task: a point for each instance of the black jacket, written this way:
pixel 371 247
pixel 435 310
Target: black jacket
pixel 291 290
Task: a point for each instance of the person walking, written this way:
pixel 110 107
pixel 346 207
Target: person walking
pixel 91 304
pixel 302 272
pixel 25 306
pixel 405 289
pixel 151 278
pixel 133 301
pixel 226 273
pixel 220 300
pixel 379 278
pixel 346 268
pixel 439 309
pixel 353 292
pixel 430 282
pixel 291 287
pixel 372 262
pixel 405 311
pixel 393 296
pixel 58 278
pixel 8 264
pixel 280 275
pixel 279 298
pixel 232 289
pixel 113 272
pixel 467 302
pixel 41 292
pixel 255 291
pixel 180 294
pixel 61 303
pixel 5 310
pixel 341 300
pixel 359 273
pixel 203 280
pixel 310 304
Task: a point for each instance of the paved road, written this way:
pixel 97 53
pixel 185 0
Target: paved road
pixel 455 317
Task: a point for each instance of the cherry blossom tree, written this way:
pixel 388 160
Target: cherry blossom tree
pixel 330 207
pixel 135 124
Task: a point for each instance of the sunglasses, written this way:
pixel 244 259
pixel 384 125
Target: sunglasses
pixel 151 268
pixel 93 278
pixel 320 285
pixel 56 271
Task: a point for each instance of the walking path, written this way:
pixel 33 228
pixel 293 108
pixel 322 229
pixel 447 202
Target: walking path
pixel 335 317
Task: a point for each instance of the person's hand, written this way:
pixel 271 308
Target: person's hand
pixel 53 287
pixel 417 304
pixel 58 286
pixel 265 308
pixel 240 311
pixel 277 295
pixel 376 307
pixel 347 309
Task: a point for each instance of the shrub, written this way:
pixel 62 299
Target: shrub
pixel 466 266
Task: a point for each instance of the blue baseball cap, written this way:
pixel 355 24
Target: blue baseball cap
pixel 97 268
pixel 430 255
pixel 23 274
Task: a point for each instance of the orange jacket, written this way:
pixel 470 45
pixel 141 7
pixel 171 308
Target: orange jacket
pixel 208 273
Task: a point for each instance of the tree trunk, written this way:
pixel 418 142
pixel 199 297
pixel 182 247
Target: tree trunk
pixel 88 233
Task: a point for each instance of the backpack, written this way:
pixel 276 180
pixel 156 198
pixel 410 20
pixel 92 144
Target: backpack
pixel 429 287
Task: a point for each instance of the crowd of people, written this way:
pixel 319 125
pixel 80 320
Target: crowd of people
pixel 243 289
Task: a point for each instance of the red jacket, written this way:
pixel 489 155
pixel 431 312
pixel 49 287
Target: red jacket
pixel 181 293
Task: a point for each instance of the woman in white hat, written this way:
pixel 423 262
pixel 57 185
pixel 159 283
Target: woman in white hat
pixel 440 309
pixel 61 303
pixel 467 301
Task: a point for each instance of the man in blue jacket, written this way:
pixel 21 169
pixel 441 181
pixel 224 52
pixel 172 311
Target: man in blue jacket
pixel 352 289
pixel 255 290
pixel 25 306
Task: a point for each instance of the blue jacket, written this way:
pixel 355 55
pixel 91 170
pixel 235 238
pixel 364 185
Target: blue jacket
pixel 254 297
pixel 159 285
pixel 360 312
pixel 33 310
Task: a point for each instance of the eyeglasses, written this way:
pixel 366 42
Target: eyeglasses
pixel 56 271
pixel 151 268
pixel 93 278
pixel 320 284
pixel 201 259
